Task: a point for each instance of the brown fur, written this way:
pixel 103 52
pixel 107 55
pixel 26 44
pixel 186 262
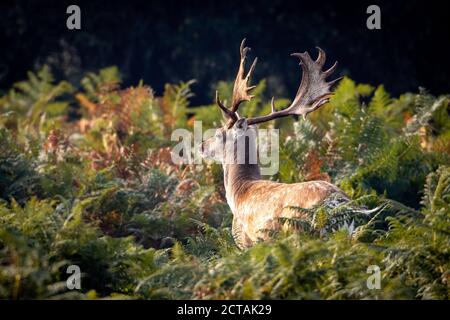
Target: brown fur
pixel 257 204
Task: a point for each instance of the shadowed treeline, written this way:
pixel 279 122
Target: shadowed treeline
pixel 168 41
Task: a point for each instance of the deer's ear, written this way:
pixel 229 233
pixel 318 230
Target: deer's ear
pixel 241 124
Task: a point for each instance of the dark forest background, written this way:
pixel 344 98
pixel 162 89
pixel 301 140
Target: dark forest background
pixel 168 41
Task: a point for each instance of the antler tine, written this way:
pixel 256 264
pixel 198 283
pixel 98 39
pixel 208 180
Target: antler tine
pixel 240 89
pixel 321 57
pixel 272 104
pixel 312 93
pixel 222 106
pixel 328 72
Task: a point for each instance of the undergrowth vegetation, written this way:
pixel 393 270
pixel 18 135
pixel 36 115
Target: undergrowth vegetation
pixel 86 179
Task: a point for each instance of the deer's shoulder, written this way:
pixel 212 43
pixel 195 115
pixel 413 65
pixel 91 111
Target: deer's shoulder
pixel 303 194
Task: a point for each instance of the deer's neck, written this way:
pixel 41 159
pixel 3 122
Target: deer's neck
pixel 236 180
pixel 239 173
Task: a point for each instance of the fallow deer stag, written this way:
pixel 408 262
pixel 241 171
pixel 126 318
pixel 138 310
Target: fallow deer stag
pixel 258 204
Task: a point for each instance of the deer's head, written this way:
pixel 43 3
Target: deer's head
pixel 234 145
pixel 313 92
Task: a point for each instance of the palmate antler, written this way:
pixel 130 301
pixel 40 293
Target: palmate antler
pixel 313 92
pixel 240 89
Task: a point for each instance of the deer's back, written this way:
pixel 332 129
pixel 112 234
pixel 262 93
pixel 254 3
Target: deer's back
pixel 260 204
